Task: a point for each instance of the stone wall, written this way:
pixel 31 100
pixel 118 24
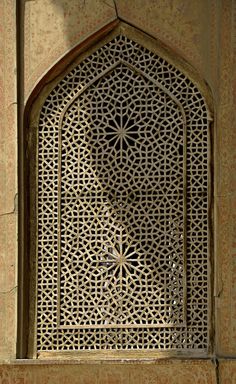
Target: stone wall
pixel 202 32
pixel 8 190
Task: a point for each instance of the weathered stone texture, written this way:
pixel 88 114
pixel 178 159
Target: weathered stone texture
pixel 177 24
pixel 52 28
pixel 8 181
pixel 225 186
pixel 175 372
pixel 8 136
pixel 227 372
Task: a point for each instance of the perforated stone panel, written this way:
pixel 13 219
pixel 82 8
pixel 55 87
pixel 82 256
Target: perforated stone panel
pixel 123 206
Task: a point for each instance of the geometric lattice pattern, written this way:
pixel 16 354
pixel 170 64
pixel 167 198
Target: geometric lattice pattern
pixel 122 206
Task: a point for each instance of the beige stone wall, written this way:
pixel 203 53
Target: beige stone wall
pixel 202 32
pixel 161 372
pixel 8 183
pixel 53 28
pixel 225 185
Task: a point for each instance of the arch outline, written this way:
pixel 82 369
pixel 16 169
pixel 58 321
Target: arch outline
pixel 138 37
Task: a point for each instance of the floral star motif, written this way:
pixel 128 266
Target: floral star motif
pixel 120 254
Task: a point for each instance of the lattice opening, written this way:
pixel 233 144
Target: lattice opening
pixel 123 206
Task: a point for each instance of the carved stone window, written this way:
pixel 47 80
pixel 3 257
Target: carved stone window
pixel 122 208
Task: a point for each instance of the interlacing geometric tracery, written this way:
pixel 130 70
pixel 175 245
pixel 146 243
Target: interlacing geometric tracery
pixel 122 206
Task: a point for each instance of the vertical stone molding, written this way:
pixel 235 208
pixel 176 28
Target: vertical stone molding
pixel 8 177
pixel 225 185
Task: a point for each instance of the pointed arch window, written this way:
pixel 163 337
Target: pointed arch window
pixel 122 207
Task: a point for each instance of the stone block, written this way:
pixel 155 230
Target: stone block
pixel 8 285
pixel 161 372
pixel 227 372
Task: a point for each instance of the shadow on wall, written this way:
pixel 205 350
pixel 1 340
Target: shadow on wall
pixel 74 11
